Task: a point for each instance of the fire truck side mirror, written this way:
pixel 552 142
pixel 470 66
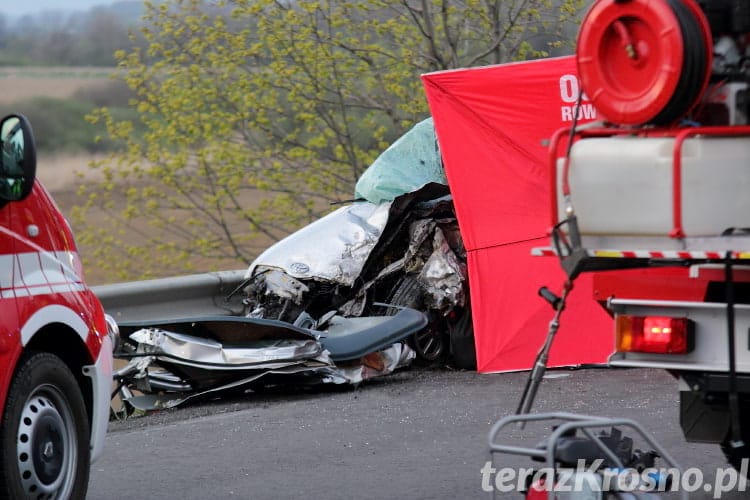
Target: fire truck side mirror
pixel 17 158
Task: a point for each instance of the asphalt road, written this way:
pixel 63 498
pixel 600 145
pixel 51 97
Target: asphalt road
pixel 416 434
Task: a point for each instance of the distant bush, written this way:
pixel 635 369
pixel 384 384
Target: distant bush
pixel 60 124
pixel 112 94
pixel 15 60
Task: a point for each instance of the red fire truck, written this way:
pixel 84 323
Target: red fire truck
pixel 55 341
pixel 662 186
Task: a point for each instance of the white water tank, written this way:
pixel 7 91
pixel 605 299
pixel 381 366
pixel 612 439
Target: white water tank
pixel 622 186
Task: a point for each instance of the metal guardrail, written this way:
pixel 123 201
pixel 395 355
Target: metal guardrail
pixel 205 294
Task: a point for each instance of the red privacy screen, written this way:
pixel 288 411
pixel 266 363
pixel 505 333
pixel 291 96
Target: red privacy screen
pixel 492 125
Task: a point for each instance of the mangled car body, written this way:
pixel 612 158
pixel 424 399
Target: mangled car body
pixel 351 296
pixel 398 245
pixel 405 253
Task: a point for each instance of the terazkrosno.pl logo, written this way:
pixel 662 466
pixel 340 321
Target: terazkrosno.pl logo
pixel 594 478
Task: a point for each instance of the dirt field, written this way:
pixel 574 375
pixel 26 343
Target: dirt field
pixel 57 172
pixel 20 83
pixel 62 174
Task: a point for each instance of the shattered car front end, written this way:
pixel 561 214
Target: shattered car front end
pixel 368 259
pixel 359 293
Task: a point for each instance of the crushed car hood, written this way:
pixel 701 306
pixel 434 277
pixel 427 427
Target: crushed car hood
pixel 304 254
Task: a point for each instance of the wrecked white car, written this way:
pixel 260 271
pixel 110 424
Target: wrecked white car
pixel 397 245
pixel 355 295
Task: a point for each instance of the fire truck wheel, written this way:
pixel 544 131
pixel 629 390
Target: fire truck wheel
pixel 44 448
pixel 430 343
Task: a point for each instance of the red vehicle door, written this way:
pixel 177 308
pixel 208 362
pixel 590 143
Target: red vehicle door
pixel 8 311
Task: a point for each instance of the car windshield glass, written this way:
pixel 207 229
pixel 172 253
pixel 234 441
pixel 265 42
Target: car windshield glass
pixel 408 164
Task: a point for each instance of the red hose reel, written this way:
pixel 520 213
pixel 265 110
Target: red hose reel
pixel 644 61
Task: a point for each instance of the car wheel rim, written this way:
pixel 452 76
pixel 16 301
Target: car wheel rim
pixel 46 451
pixel 429 344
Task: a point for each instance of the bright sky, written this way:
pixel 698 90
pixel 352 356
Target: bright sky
pixel 18 8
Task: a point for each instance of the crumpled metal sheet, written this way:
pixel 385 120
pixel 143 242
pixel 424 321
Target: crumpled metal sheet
pixel 442 276
pixel 197 351
pixel 373 365
pixel 305 254
pixel 282 285
pixel 311 372
pixel 419 231
pixel 182 361
pixel 162 401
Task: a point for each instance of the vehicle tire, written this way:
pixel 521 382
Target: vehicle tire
pixel 430 343
pixel 461 334
pixel 735 455
pixel 44 438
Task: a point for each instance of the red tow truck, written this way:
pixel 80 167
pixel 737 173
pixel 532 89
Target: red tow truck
pixel 660 193
pixel 55 341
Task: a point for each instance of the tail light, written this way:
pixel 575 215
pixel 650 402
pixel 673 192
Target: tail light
pixel 654 334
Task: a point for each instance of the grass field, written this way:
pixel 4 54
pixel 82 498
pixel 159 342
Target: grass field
pixel 19 83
